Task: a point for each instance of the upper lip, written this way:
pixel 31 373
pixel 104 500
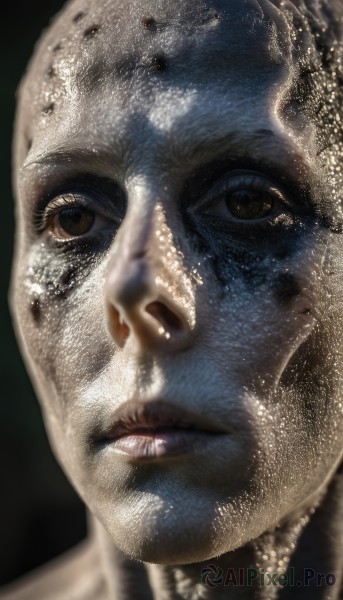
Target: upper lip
pixel 136 416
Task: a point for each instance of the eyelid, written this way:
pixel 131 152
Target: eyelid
pixel 44 213
pixel 248 180
pixel 101 193
pixel 92 201
pixel 66 200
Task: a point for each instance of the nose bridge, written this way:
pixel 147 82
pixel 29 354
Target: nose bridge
pixel 135 233
pixel 148 293
pixel 130 272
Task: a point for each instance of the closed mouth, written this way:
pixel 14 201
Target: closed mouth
pixel 138 417
pixel 156 430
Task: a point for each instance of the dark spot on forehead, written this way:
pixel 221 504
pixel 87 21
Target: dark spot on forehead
pixel 28 144
pixel 57 47
pixel 159 63
pixel 48 110
pixel 51 71
pixel 148 22
pixel 78 16
pixel 91 31
pixel 35 309
pixel 286 286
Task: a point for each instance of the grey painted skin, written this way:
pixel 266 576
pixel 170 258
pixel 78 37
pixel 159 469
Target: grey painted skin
pixel 178 169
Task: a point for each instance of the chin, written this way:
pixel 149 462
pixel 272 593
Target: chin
pixel 175 550
pixel 192 545
pixel 175 535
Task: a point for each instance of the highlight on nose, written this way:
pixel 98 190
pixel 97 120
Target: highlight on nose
pixel 137 307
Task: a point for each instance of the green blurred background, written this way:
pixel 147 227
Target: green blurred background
pixel 41 516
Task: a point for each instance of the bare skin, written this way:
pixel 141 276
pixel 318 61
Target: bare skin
pixel 177 290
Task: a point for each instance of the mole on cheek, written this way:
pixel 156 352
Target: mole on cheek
pixel 286 287
pixel 35 309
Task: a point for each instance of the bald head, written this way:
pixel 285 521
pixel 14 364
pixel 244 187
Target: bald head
pixel 104 50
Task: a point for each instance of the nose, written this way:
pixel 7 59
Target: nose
pixel 147 300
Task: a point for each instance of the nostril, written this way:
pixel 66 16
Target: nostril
pixel 164 315
pixel 120 330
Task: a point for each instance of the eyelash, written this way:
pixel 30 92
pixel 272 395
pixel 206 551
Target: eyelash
pixel 101 195
pixel 237 180
pixel 43 216
pixel 247 181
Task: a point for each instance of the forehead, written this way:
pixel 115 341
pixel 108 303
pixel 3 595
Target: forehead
pixel 121 40
pixel 106 72
pixel 129 57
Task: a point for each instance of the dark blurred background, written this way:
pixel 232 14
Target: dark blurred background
pixel 41 516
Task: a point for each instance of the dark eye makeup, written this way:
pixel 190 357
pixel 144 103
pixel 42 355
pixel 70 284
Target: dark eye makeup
pixel 83 207
pixel 246 197
pixel 70 215
pixel 88 205
pixel 243 200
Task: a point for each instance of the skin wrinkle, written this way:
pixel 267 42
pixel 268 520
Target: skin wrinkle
pixel 259 347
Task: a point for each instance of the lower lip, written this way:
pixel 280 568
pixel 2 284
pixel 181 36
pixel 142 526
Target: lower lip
pixel 161 445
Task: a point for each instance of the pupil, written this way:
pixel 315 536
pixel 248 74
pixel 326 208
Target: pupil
pixel 249 204
pixel 75 220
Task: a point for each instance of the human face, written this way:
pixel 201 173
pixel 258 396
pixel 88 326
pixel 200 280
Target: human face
pixel 176 287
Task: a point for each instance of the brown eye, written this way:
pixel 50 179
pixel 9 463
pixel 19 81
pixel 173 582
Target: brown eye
pixel 72 221
pixel 246 196
pixel 249 204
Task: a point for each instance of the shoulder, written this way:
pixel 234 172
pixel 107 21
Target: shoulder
pixel 73 576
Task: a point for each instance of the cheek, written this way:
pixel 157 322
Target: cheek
pixel 255 330
pixel 60 315
pixel 279 342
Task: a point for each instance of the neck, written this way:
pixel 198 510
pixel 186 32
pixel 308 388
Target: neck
pixel 305 545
